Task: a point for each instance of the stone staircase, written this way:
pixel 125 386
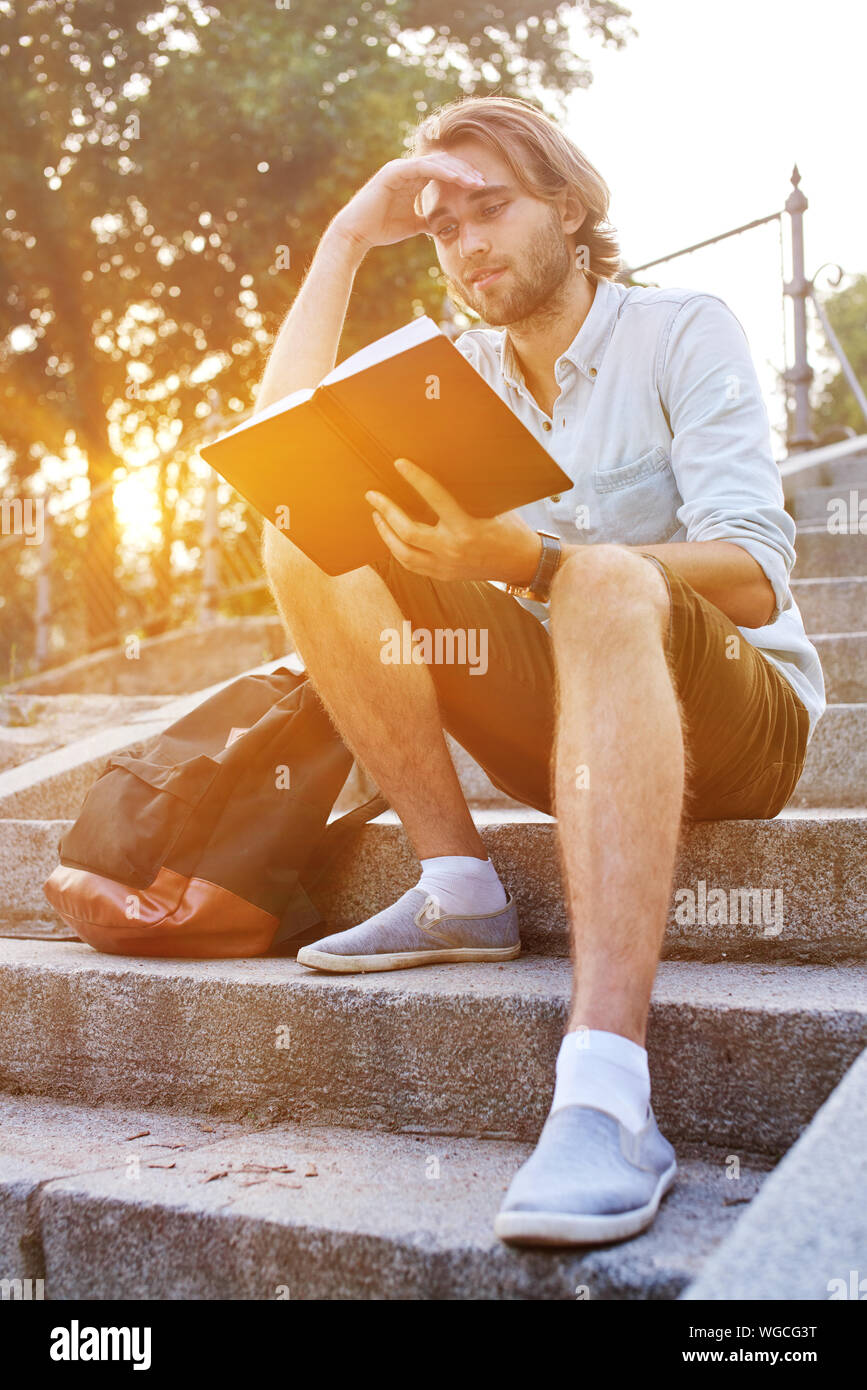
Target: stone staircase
pixel 249 1129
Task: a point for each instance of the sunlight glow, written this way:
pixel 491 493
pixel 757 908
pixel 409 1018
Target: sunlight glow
pixel 135 501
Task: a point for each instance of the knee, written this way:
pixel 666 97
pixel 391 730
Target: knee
pixel 604 584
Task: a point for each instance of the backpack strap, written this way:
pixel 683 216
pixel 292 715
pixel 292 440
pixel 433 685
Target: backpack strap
pixel 338 833
pixel 301 915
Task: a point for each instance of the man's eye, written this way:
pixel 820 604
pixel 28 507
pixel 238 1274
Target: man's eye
pixel 491 210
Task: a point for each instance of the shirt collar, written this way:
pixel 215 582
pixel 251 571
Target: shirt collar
pixel 587 347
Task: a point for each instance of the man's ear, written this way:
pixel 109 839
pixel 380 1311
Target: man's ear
pixel 572 211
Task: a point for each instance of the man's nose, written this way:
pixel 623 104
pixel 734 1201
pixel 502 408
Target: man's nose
pixel 472 240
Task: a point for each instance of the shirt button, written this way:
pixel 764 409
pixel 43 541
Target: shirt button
pixel 592 371
pixel 546 424
pixel 555 498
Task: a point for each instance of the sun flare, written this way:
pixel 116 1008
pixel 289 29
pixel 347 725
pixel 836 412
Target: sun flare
pixel 137 509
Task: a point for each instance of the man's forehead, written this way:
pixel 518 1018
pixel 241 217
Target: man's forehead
pixel 481 157
pixel 440 195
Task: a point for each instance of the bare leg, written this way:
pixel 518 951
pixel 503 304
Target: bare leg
pixel 619 718
pixel 388 715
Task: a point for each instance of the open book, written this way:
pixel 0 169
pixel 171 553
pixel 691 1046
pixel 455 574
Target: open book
pixel 306 461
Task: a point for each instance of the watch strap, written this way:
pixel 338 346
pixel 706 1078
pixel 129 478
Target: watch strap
pixel 539 588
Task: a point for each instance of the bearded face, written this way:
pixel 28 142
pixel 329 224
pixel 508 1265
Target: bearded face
pixel 529 288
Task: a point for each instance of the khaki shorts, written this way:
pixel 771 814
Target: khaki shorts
pixel 745 729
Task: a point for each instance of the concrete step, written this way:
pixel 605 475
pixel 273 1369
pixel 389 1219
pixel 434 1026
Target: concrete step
pixel 58 779
pixel 834 506
pixel 832 605
pixel 821 555
pixel 844 664
pixel 835 771
pixel 741 1056
pixel 806 1237
pixel 27 848
pixel 196 655
pixel 808 858
pixel 33 725
pixel 846 472
pixel 309 1213
pixel 794 861
pixel 840 464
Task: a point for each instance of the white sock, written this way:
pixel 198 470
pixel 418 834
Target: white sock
pixel 461 884
pixel 606 1071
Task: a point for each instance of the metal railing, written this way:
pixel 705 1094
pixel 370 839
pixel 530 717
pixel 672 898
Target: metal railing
pixel 799 289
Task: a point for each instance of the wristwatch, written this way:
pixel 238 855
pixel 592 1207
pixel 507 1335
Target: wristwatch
pixel 539 587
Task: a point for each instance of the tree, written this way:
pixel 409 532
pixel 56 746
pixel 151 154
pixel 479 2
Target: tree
pixel 836 406
pixel 166 176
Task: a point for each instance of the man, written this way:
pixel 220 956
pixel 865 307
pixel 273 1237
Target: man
pixel 653 646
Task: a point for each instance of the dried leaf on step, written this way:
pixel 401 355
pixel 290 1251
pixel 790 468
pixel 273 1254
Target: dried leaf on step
pixel 265 1168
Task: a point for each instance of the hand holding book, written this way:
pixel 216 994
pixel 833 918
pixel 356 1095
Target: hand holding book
pixel 458 546
pixel 307 461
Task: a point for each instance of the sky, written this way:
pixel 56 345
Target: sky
pixel 696 125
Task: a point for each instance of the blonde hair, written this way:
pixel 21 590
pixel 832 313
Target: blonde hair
pixel 540 156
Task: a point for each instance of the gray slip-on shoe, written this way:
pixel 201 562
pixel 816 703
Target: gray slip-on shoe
pixel 589 1180
pixel 414 931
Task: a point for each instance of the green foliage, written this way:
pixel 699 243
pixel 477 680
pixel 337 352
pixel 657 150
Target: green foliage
pixel 156 160
pixel 836 405
pixel 157 127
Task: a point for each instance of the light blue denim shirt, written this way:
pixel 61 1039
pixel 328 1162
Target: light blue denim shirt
pixel 661 425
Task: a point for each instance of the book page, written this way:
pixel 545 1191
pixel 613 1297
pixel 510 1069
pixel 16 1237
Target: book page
pixel 410 335
pixel 277 408
pixel 419 331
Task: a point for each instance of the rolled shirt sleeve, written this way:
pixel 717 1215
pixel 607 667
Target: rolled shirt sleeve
pixel 721 448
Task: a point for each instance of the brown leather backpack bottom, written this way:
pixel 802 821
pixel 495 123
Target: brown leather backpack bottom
pixel 165 919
